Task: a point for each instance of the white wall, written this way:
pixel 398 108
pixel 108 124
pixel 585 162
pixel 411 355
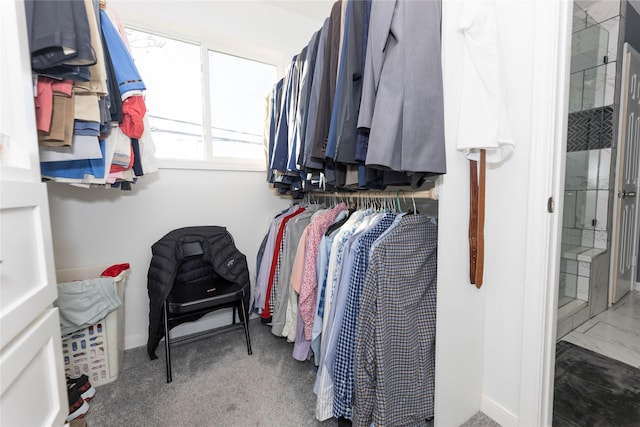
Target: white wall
pixel 506 220
pixel 479 359
pixel 100 227
pixel 460 306
pixel 481 328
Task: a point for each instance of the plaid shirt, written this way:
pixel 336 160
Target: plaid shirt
pixel 273 297
pixel 343 366
pixel 323 386
pixel 394 361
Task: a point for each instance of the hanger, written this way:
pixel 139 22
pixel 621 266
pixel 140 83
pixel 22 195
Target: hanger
pixel 413 200
pixel 333 227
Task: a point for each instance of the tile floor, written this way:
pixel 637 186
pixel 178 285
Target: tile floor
pixel 614 333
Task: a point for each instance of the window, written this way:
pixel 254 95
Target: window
pixel 238 90
pixel 171 71
pixel 185 125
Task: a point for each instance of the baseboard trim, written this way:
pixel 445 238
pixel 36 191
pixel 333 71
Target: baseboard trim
pixel 135 341
pixel 498 413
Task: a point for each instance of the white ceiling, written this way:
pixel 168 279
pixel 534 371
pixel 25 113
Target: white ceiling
pixel 313 9
pixel 268 29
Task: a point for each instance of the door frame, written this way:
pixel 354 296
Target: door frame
pixel 549 116
pixel 30 339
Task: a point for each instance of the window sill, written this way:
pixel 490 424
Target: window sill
pixel 220 164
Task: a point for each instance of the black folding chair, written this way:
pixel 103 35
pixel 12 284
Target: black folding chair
pixel 192 300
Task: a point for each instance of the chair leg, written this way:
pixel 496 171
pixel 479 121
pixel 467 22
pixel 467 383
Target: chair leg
pixel 167 349
pixel 245 323
pixel 235 308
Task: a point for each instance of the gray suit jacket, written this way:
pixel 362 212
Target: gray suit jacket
pixel 402 100
pixel 328 86
pixel 314 97
pixel 351 88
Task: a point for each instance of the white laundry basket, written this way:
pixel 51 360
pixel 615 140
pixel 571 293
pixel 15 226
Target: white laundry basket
pixel 95 351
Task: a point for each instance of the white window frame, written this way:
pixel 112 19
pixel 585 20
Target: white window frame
pixel 211 162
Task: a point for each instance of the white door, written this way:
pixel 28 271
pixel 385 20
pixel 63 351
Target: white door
pixel 625 230
pixel 32 382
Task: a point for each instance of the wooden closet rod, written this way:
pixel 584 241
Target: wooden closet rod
pixel 421 194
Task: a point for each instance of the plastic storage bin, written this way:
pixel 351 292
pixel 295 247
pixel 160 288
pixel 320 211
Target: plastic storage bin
pixel 97 350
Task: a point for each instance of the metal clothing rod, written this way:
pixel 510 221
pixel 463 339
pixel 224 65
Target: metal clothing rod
pixel 421 194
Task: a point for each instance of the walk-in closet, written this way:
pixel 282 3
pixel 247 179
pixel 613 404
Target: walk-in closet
pixel 373 196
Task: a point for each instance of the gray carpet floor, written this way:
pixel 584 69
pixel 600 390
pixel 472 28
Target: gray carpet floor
pixel 216 383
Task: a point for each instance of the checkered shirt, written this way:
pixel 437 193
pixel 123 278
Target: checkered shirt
pixel 394 360
pixel 276 276
pixel 343 366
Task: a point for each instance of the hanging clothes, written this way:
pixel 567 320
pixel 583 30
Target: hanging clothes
pixel 367 113
pixel 484 123
pixel 88 87
pixel 63 42
pixel 373 112
pixel 291 323
pixel 292 235
pixel 331 322
pixel 341 360
pixel 371 268
pixel 324 254
pixel 402 100
pixel 328 84
pixel 262 278
pixel 395 342
pixel 275 263
pixel 309 283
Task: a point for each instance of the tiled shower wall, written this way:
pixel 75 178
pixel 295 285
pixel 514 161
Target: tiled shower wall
pixel 592 123
pixel 586 198
pixel 591 136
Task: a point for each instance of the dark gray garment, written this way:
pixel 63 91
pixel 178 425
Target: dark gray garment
pixel 294 105
pixel 306 82
pixel 328 87
pixel 314 97
pixel 632 31
pixel 58 34
pixel 114 98
pixel 351 89
pixel 279 157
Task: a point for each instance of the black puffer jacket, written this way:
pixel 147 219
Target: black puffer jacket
pixel 169 266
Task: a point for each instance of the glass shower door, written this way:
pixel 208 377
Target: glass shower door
pixel 586 163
